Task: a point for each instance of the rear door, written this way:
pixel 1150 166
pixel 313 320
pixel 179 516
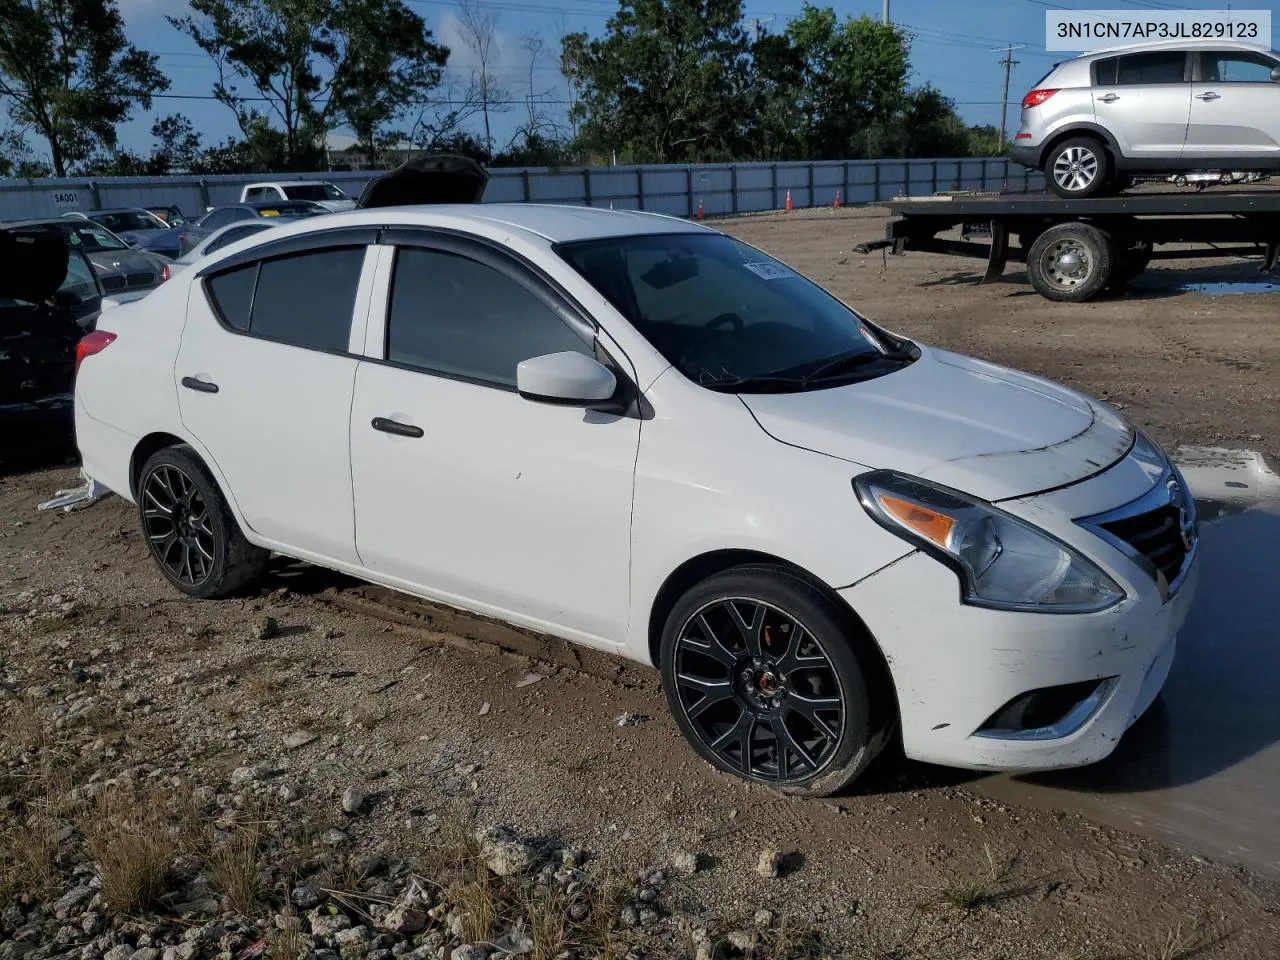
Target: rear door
pixel 1144 100
pixel 1235 106
pixel 264 377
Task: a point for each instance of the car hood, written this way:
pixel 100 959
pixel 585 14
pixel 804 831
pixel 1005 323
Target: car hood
pixel 166 239
pixel 337 206
pixel 123 261
pixel 973 426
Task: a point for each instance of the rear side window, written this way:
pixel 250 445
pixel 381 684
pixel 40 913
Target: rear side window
pixel 1104 72
pixel 1149 68
pixel 234 234
pixel 306 300
pixel 232 295
pixel 456 316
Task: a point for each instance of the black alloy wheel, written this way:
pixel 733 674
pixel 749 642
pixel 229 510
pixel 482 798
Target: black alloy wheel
pixel 178 526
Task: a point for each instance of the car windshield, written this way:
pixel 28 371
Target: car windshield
pixel 314 191
pixel 731 318
pixel 127 220
pixel 289 210
pixel 89 236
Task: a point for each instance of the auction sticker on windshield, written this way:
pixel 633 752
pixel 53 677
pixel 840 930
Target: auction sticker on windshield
pixel 1087 30
pixel 769 271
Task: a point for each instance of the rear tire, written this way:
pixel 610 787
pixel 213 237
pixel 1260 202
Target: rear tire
pixel 771 680
pixel 191 533
pixel 1071 262
pixel 1078 168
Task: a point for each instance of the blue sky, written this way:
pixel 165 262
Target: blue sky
pixel 952 48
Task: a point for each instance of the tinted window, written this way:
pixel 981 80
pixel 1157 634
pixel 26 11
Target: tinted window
pixel 453 315
pixel 1104 72
pixel 306 300
pixel 241 213
pixel 1229 67
pixel 234 234
pixel 129 220
pixel 217 219
pixel 254 193
pixel 232 295
pixel 1165 67
pixel 314 191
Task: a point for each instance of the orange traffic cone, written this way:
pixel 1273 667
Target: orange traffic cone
pixel 700 208
pixel 788 200
pixel 837 203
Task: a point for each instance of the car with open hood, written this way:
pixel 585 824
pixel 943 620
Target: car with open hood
pixel 140 229
pixel 642 435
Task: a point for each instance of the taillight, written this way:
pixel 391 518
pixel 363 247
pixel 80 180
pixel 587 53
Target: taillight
pixel 92 343
pixel 165 273
pixel 1037 97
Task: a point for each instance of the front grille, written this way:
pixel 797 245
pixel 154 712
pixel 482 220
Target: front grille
pixel 141 279
pixel 1156 535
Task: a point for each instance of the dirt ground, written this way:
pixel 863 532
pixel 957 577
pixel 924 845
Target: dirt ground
pixel 423 708
pixel 1193 368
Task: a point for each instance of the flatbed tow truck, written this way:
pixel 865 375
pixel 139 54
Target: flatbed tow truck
pixel 1076 249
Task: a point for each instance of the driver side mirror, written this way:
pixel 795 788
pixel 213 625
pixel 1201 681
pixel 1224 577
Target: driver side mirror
pixel 570 379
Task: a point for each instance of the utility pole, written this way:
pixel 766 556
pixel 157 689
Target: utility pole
pixel 885 15
pixel 1009 64
pixel 758 23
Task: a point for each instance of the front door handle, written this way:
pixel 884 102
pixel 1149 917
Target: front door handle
pixel 1208 96
pixel 200 386
pixel 396 427
pixel 1110 98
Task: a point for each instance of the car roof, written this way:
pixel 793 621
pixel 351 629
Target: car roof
pixel 1166 45
pixel 288 183
pixel 552 222
pixel 119 210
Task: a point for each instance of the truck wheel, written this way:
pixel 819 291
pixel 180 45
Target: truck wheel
pixel 1077 168
pixel 1071 262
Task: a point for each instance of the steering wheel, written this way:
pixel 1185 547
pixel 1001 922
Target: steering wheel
pixel 713 330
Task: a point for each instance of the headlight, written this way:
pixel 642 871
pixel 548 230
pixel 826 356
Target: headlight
pixel 1003 562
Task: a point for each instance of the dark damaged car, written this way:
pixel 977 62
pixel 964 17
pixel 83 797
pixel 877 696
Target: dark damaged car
pixel 119 267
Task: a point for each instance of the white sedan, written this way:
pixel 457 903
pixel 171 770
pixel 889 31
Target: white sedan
pixel 639 434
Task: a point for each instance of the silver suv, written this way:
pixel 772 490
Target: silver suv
pixel 1093 123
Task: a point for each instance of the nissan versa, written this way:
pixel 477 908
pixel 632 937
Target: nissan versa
pixel 645 436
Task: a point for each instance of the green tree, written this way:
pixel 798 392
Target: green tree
pixel 314 65
pixel 669 82
pixel 926 125
pixel 68 72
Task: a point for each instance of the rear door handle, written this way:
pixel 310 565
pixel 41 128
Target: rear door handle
pixel 1208 96
pixel 200 386
pixel 396 427
pixel 1110 98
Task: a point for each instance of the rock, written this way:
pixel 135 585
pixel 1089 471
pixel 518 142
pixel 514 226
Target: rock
pixel 469 952
pixel 304 896
pixel 764 918
pixel 742 940
pixel 503 852
pixel 299 738
pixel 484 708
pixel 146 953
pixel 264 628
pixel 687 862
pixel 333 837
pixel 578 911
pixel 71 901
pixel 404 918
pixel 194 909
pixel 121 951
pixel 183 951
pixel 631 917
pixel 352 799
pixel 350 937
pixel 648 916
pixel 325 924
pixel 529 679
pixel 630 719
pixel 244 775
pixel 516 941
pixel 770 863
pixel 648 895
pixel 91 923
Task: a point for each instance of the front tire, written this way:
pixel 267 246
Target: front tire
pixel 191 533
pixel 1071 262
pixel 1078 168
pixel 771 680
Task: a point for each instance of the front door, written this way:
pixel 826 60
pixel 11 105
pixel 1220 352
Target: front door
pixel 264 380
pixel 1235 107
pixel 1143 99
pixel 465 491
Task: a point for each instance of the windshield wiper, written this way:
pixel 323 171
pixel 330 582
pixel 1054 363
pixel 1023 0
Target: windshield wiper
pixel 765 383
pixel 847 362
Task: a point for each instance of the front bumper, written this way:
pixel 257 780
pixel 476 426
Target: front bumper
pixel 956 668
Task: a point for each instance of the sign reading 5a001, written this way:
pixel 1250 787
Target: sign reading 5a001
pixel 66 199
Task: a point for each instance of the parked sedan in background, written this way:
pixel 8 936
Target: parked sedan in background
pixel 642 435
pixel 139 228
pixel 224 237
pixel 171 215
pixel 120 268
pixel 220 217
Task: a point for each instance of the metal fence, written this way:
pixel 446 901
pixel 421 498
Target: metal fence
pixel 720 189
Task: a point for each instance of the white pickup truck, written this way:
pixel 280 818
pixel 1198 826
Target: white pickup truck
pixel 317 191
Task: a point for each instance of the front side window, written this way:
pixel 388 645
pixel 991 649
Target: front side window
pixel 1236 67
pixel 130 220
pixel 1150 68
pixel 453 315
pixel 730 317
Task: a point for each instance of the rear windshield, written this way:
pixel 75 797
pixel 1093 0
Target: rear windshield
pixel 129 220
pixel 314 191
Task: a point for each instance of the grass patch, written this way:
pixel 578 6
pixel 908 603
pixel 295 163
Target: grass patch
pixel 975 892
pixel 235 863
pixel 133 835
pixel 1179 943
